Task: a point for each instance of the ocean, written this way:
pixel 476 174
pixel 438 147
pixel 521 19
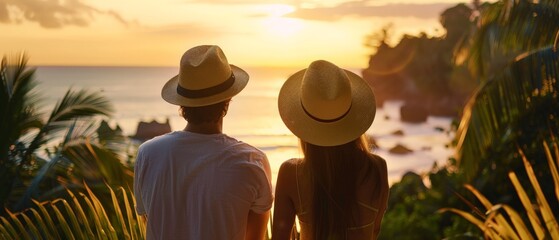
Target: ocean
pixel 252 117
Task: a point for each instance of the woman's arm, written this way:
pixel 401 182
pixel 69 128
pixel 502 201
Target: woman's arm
pixel 284 209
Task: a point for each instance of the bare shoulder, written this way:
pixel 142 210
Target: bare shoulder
pixel 286 184
pixel 291 162
pixel 379 162
pixel 288 168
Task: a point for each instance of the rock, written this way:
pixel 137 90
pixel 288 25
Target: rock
pixel 426 148
pixel 400 149
pixel 149 130
pixel 413 113
pixel 398 133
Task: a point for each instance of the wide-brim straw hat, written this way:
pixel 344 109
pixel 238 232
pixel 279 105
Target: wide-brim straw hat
pixel 325 105
pixel 205 78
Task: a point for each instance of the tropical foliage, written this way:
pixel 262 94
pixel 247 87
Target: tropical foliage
pixel 517 107
pixel 413 206
pixel 537 221
pixel 43 153
pixel 514 106
pixel 81 216
pixel 508 28
pixel 59 169
pixel 509 105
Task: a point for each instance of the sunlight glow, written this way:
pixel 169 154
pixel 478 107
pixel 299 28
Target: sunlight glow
pixel 278 10
pixel 276 25
pixel 156 33
pixel 282 27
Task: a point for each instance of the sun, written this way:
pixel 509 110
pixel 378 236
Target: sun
pixel 278 10
pixel 283 27
pixel 277 24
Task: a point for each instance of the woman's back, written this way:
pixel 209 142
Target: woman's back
pixel 369 205
pixel 339 190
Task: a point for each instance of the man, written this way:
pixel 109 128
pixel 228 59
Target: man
pixel 200 183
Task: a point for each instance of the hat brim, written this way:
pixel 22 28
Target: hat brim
pixel 356 122
pixel 169 91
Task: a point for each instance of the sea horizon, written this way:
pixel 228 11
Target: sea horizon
pixel 252 118
pixel 250 66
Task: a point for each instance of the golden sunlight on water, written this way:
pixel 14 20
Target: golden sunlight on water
pixel 252 117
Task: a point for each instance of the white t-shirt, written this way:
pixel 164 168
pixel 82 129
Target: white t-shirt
pixel 198 186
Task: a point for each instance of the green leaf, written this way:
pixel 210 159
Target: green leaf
pixel 93 215
pixel 491 118
pixel 102 215
pixel 62 222
pixel 9 228
pixel 72 217
pixel 47 218
pixel 4 234
pixel 518 223
pixel 486 203
pixel 501 223
pixel 547 213
pixel 129 215
pixel 41 224
pixel 80 214
pixel 552 168
pixel 480 224
pixel 22 232
pixel 31 227
pixel 532 216
pixel 119 216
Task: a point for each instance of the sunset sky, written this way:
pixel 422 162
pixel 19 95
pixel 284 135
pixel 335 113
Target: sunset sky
pixel 251 32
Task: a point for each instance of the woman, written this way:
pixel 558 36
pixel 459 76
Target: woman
pixel 339 190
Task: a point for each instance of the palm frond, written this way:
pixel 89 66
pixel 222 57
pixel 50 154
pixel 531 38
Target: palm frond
pixel 74 105
pixel 76 161
pixel 18 100
pixel 487 230
pixel 543 222
pixel 81 217
pixel 33 190
pixel 93 162
pixel 545 209
pixel 525 25
pixel 101 134
pixel 508 28
pixel 66 169
pixel 81 103
pixel 492 114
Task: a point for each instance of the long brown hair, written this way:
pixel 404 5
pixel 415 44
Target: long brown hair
pixel 334 173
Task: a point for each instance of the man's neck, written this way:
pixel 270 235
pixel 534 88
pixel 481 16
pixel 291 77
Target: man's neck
pixel 204 128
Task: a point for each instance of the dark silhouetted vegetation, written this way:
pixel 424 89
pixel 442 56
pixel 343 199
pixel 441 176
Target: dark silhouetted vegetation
pixel 514 106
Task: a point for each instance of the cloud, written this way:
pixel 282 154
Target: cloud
pixel 235 2
pixel 52 13
pixel 363 9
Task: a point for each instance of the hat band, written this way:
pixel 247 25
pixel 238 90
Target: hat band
pixel 325 120
pixel 206 92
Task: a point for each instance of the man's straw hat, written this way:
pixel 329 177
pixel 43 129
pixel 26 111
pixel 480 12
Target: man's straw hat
pixel 205 78
pixel 325 105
